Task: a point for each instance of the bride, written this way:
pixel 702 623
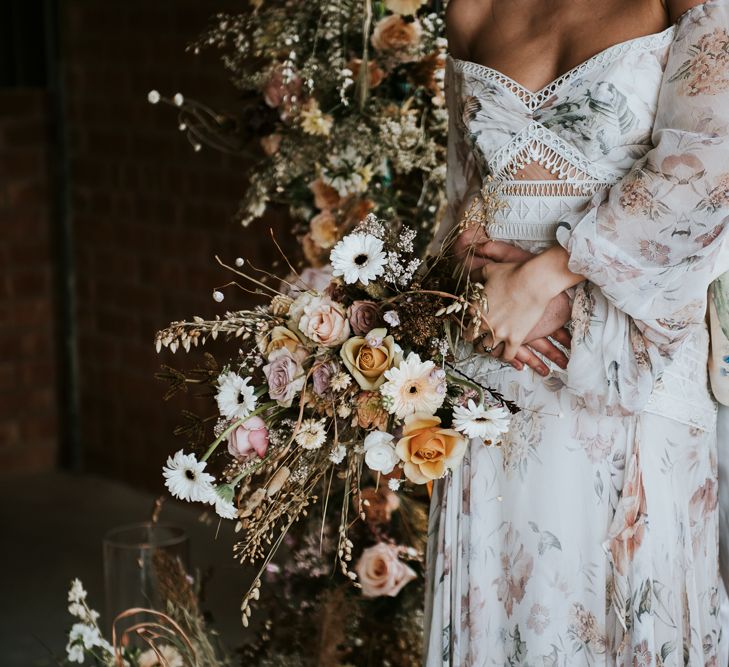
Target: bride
pixel 590 535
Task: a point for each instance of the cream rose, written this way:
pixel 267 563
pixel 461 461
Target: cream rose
pixel 279 337
pixel 324 322
pixel 381 572
pixel 367 363
pixel 323 229
pixel 380 454
pixel 427 449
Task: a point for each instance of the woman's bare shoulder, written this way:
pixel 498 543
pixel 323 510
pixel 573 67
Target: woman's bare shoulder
pixel 676 8
pixel 464 21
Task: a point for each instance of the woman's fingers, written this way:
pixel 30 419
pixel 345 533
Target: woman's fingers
pixel 526 356
pixel 498 251
pixel 545 347
pixel 562 336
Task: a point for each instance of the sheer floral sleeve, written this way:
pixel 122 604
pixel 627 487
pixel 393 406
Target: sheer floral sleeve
pixel 463 180
pixel 651 246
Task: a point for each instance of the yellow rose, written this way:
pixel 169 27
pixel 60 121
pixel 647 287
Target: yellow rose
pixel 277 338
pixel 427 449
pixel 368 363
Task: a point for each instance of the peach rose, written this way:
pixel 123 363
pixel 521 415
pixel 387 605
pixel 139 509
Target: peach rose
pixel 375 73
pixel 396 37
pixel 381 572
pixel 325 196
pixel 369 412
pixel 428 450
pixel 271 143
pixel 324 322
pixel 367 361
pixel 277 338
pixel 323 229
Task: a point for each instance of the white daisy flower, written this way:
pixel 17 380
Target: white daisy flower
pixel 186 479
pixel 340 381
pixel 311 434
pixel 358 257
pixel 393 484
pixel 225 508
pixel 236 398
pixel 478 421
pixel 336 456
pixel 414 386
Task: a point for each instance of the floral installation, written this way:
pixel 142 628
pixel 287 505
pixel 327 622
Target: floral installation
pixel 175 638
pixel 345 101
pixel 355 381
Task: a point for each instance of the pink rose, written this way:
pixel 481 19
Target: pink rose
pixel 251 436
pixel 381 572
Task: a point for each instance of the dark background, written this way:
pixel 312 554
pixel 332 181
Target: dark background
pixel 109 222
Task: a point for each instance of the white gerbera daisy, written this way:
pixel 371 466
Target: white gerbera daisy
pixel 186 479
pixel 236 398
pixel 478 421
pixel 358 257
pixel 414 386
pixel 311 434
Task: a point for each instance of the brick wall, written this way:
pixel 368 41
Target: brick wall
pixel 148 215
pixel 28 370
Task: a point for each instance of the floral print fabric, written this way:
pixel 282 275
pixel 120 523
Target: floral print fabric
pixel 590 536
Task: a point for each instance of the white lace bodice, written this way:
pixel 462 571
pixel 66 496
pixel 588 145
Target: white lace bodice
pixel 585 130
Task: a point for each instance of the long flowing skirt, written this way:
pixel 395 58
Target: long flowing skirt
pixel 584 539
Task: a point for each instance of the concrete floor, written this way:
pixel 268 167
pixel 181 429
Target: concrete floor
pixel 52 530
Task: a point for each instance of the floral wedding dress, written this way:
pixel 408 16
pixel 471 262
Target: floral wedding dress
pixel 590 536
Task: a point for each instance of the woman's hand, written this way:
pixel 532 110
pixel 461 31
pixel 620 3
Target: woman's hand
pixel 519 295
pixel 476 250
pixel 515 307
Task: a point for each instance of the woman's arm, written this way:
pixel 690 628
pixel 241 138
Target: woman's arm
pixel 653 244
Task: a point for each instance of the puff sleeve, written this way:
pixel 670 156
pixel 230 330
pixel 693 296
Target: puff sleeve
pixel 652 244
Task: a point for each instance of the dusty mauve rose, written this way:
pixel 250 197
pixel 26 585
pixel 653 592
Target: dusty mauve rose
pixel 379 504
pixel 369 412
pixel 396 37
pixel 249 437
pixel 368 363
pixel 285 377
pixel 322 376
pixel 427 449
pixel 323 229
pixel 325 196
pixel 364 316
pixel 324 322
pixel 381 572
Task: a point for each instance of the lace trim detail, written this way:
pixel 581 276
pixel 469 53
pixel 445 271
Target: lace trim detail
pixel 534 100
pixel 548 188
pixel 536 143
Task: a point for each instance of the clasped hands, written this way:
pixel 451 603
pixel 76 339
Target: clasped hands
pixel 524 309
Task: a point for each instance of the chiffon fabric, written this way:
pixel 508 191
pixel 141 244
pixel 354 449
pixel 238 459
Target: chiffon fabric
pixel 590 536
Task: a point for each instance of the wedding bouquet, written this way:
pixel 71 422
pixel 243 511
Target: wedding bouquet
pixel 343 105
pixel 358 375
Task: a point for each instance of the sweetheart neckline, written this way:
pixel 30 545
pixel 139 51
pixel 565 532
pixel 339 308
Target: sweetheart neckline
pixel 557 83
